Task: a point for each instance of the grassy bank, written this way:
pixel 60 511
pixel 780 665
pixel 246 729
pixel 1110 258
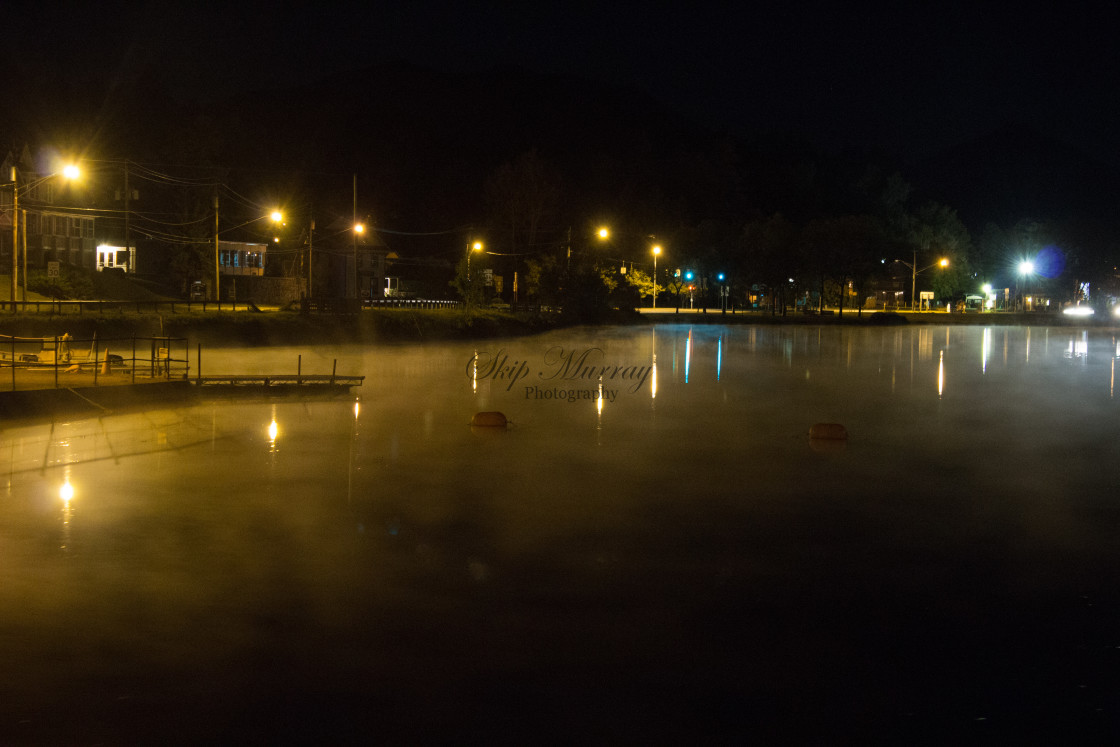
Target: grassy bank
pixel 279 327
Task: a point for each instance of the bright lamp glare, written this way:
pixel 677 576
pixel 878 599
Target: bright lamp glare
pixel 277 216
pixel 604 233
pixel 359 228
pixel 1078 311
pixel 71 171
pixel 1026 267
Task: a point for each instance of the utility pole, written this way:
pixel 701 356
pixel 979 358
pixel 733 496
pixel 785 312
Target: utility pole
pixel 913 281
pixel 15 234
pixel 127 195
pixel 217 290
pixel 354 237
pixel 24 278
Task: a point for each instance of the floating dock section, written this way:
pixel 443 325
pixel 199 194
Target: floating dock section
pixel 278 382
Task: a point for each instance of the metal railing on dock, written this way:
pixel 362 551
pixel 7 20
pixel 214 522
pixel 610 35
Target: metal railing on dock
pixel 64 361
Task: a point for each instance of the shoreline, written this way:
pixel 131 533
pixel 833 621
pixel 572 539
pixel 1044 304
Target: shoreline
pixel 382 326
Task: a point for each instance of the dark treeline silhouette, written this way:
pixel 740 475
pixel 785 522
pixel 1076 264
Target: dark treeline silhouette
pixel 532 164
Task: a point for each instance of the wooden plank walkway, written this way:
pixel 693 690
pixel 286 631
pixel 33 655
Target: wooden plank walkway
pixel 278 380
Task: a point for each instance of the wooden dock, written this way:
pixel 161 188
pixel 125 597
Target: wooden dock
pixel 299 382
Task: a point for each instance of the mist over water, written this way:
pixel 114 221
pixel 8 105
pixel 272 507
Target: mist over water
pixel 652 547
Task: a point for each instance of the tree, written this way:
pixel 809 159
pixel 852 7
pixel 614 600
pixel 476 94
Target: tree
pixel 769 253
pixel 850 249
pixel 522 194
pixel 936 232
pixel 641 281
pixel 543 279
pixel 469 282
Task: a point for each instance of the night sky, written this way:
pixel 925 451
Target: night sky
pixel 908 81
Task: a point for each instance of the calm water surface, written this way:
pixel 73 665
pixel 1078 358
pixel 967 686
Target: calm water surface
pixel 660 555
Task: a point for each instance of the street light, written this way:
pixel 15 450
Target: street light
pixel 914 272
pixel 69 172
pixel 656 251
pixel 274 215
pixel 1026 267
pixel 475 247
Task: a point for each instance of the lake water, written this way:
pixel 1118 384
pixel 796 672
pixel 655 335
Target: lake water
pixel 660 555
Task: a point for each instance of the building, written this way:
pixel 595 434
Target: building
pixel 241 258
pixel 54 223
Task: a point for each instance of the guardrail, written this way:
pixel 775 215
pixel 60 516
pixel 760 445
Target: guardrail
pixel 65 361
pixel 410 303
pixel 78 308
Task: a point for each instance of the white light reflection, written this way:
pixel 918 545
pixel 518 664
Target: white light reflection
pixel 273 431
pixel 719 356
pixel 941 375
pixel 66 494
pixel 653 365
pixel 599 399
pixel 1112 377
pixel 687 355
pixel 1078 348
pixel 986 349
pixel 474 373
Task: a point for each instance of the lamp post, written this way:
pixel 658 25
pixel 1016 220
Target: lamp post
pixel 914 272
pixel 1026 268
pixel 359 229
pixel 656 251
pixel 475 247
pixel 275 216
pixel 69 172
pixel 471 249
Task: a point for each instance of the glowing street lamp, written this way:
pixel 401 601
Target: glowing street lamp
pixel 475 247
pixel 274 215
pixel 914 272
pixel 69 172
pixel 1026 269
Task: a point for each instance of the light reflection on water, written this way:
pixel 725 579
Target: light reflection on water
pixel 232 527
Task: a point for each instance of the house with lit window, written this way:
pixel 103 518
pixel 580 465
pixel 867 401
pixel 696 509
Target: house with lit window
pixel 240 258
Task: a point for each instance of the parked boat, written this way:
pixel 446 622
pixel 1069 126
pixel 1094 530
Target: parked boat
pixel 50 351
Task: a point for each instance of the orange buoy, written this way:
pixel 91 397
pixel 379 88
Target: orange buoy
pixel 828 431
pixel 105 365
pixel 489 419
